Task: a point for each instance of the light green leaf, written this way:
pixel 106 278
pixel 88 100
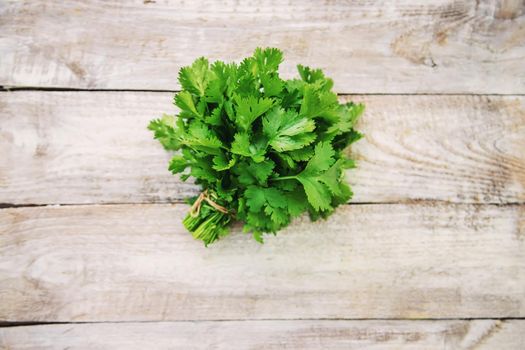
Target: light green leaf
pixel 184 100
pixel 194 78
pixel 221 162
pixel 287 130
pixel 249 109
pixel 321 160
pixel 244 146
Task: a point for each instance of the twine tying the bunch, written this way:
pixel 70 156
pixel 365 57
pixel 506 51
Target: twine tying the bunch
pixel 196 207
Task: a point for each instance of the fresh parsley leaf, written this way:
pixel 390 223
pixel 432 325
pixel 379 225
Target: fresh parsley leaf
pixel 166 131
pixel 184 100
pixel 221 162
pixel 194 79
pixel 244 146
pixel 249 108
pixel 287 130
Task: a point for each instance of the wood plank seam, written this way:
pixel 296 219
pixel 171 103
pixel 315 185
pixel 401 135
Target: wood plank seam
pixel 350 204
pixel 218 320
pixel 340 94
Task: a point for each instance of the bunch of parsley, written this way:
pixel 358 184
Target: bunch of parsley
pixel 264 150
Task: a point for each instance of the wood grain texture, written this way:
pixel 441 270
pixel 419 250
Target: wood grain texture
pixel 93 147
pixel 137 263
pixel 412 46
pixel 304 335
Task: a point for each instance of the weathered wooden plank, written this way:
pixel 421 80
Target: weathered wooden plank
pixel 304 335
pixel 412 46
pixel 93 147
pixel 136 262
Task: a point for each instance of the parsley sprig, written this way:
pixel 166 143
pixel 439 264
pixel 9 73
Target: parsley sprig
pixel 265 148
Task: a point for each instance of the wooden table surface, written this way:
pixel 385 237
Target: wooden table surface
pixel 430 253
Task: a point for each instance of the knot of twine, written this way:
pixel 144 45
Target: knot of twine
pixel 196 207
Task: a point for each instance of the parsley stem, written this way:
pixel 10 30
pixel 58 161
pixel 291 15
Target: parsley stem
pixel 285 178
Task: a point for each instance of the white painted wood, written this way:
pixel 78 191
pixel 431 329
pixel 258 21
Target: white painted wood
pixel 137 263
pixel 242 335
pixel 409 46
pixel 93 147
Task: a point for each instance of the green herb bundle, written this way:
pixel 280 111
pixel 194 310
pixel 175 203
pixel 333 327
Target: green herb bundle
pixel 263 149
